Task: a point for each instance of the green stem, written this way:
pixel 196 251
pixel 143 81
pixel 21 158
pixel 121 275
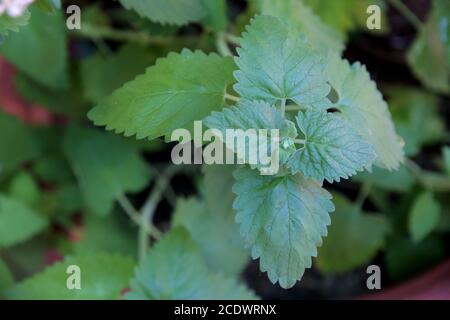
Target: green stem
pixel 407 13
pixel 300 141
pixel 148 211
pixel 294 108
pixel 231 97
pixel 283 107
pixel 363 194
pixel 96 32
pixel 222 46
pixel 233 39
pixel 429 180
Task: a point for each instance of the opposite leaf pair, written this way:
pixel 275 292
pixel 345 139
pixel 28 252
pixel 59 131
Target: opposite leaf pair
pixel 283 218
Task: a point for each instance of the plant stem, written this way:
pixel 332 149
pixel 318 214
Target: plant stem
pixel 233 39
pixel 300 141
pixel 231 97
pixel 96 32
pixel 294 108
pixel 430 180
pixel 222 46
pixel 148 210
pixel 363 194
pixel 135 216
pixel 283 107
pixel 407 13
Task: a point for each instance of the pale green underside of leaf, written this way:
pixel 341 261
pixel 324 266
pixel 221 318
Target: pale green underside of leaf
pixel 332 148
pixel 8 23
pixel 106 167
pixel 103 277
pixel 362 104
pixel 177 90
pixel 429 55
pixel 424 216
pixel 16 143
pixel 253 115
pixel 176 12
pixel 321 36
pixel 40 49
pixel 173 269
pixel 283 220
pixel 216 235
pixel 276 62
pixel 18 222
pixel 354 238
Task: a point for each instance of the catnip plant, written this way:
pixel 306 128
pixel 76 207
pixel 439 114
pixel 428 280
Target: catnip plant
pixel 284 83
pixel 87 187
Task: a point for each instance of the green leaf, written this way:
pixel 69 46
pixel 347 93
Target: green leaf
pixel 8 23
pixel 254 115
pixel 216 235
pixel 112 234
pixel 277 63
pixel 16 143
pixel 446 153
pixel 23 188
pixel 103 277
pixel 102 75
pixel 424 216
pixel 172 94
pixel 173 269
pixel 412 109
pixel 18 222
pixel 332 149
pixel 105 165
pixel 354 237
pixel 400 180
pixel 6 278
pixel 45 37
pixel 360 102
pixel 167 11
pixel 349 15
pixel 429 55
pixel 216 17
pixel 283 220
pixel 299 15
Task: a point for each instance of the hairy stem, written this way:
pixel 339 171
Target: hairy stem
pixel 222 46
pixel 363 194
pixel 283 107
pixel 148 211
pixel 300 141
pixel 231 97
pixel 233 39
pixel 294 108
